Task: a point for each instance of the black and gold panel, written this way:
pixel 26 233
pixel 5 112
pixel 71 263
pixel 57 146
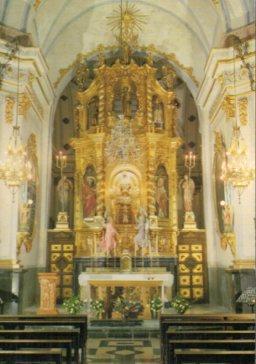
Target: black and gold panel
pixel 60 260
pixel 192 265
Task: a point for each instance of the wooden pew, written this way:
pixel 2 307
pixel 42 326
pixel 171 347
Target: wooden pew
pixel 30 356
pixel 183 356
pixel 71 334
pixel 9 322
pixel 17 344
pixel 225 344
pixel 191 322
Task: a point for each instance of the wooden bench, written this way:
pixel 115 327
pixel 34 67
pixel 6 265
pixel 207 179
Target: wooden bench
pixel 70 334
pixel 202 322
pixel 31 356
pixel 242 344
pixel 23 321
pixel 17 344
pixel 183 356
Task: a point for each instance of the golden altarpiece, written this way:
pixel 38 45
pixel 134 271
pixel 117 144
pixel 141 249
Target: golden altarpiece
pixel 122 188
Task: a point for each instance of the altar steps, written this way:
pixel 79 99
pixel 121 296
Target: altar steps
pixel 148 329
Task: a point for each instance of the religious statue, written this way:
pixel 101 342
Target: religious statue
pixel 126 101
pixel 188 186
pixel 227 217
pixel 93 112
pixel 89 195
pixel 81 76
pixel 158 113
pixel 64 188
pixel 124 203
pixel 108 242
pixel 162 199
pixel 168 78
pixel 25 216
pixel 142 237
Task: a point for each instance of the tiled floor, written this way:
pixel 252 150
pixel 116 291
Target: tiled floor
pixel 123 351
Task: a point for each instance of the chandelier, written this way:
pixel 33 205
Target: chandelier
pixel 122 145
pixel 236 170
pixel 16 169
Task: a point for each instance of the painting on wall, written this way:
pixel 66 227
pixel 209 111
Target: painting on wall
pixel 89 193
pixel 218 165
pixel 28 199
pixel 162 192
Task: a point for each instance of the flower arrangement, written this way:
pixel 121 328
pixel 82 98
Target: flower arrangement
pixel 180 304
pixel 73 304
pixel 156 304
pixel 98 307
pixel 128 309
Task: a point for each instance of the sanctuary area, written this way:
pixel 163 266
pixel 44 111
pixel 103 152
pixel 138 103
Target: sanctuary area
pixel 127 181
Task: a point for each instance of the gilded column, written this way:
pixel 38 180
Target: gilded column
pixel 101 105
pixel 99 138
pixel 149 104
pixel 151 176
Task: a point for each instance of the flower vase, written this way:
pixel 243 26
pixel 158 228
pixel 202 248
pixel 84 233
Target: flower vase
pixel 154 315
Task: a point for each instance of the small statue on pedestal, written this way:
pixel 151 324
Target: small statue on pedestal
pixel 188 186
pixel 63 190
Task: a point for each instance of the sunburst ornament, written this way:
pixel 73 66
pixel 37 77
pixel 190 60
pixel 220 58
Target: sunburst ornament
pixel 127 21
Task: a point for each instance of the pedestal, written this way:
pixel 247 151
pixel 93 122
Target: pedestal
pixel 189 221
pixel 48 284
pixel 62 221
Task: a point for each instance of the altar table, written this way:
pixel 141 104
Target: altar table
pixel 144 280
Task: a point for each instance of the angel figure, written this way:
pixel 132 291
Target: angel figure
pixel 142 237
pixel 108 242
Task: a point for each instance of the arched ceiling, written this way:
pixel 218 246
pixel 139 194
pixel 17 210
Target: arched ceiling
pixel 188 29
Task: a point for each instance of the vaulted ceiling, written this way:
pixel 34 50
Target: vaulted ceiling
pixel 188 29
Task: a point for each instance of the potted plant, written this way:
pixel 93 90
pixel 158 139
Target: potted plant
pixel 180 304
pixel 98 308
pixel 73 304
pixel 155 306
pixel 128 309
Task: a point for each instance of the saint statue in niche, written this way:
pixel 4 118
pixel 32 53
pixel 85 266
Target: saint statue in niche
pixel 162 196
pixel 158 113
pixel 126 101
pixel 188 186
pixel 93 112
pixel 227 217
pixel 108 242
pixel 63 190
pixel 168 79
pixel 142 237
pixel 89 193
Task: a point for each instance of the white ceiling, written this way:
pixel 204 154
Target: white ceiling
pixel 187 28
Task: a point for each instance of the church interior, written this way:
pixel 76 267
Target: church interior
pixel 127 181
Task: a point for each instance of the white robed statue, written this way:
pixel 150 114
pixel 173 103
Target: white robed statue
pixel 142 237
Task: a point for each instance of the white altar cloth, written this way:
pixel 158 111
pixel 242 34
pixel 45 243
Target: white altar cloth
pixel 87 279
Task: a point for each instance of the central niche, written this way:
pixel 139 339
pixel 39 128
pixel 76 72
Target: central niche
pixel 124 196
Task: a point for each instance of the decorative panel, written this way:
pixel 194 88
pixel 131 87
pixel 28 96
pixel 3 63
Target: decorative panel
pixel 60 260
pixel 192 265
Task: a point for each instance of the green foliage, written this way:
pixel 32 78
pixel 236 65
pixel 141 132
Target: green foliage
pixel 73 304
pixel 156 304
pixel 97 307
pixel 128 308
pixel 180 304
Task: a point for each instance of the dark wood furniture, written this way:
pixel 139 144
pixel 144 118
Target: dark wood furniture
pixel 200 322
pixel 183 356
pixel 59 327
pixel 30 356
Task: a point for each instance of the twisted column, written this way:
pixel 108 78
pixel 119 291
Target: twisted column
pixel 151 180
